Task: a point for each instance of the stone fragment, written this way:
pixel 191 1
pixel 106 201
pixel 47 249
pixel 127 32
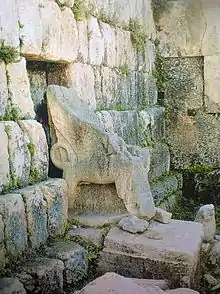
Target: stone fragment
pixel 81 78
pixel 68 36
pixel 215 252
pixel 74 258
pixel 3 89
pixel 11 286
pixel 98 220
pixel 36 214
pixel 145 283
pixel 55 194
pixel 162 216
pixel 96 42
pixel 94 236
pixel 210 280
pixel 83 48
pixel 206 216
pixel 133 224
pixel 182 291
pixel 19 88
pixel 13 212
pixel 4 162
pixel 39 149
pixel 42 275
pixel 165 251
pixel 108 34
pixel 19 154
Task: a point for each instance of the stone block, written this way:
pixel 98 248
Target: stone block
pixel 31 32
pixel 42 275
pixel 83 53
pixel 108 34
pixel 39 149
pixel 165 251
pixel 74 258
pixel 96 42
pixel 68 36
pixel 19 88
pixel 2 245
pixel 81 78
pixel 36 215
pixel 100 99
pixel 13 212
pixel 182 291
pixel 4 163
pixel 10 286
pixel 55 194
pixel 162 216
pixel 109 87
pixel 133 225
pixel 19 154
pixel 3 89
pixel 93 236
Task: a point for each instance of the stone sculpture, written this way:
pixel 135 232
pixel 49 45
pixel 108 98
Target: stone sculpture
pixel 87 154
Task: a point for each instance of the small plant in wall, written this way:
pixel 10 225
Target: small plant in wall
pixel 138 34
pixel 79 10
pixel 8 54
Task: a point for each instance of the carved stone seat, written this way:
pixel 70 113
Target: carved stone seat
pixel 87 154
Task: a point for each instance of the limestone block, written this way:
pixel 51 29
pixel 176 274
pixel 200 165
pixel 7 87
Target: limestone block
pixel 182 291
pixel 2 245
pixel 19 154
pixel 31 32
pixel 13 212
pixel 91 235
pixel 108 34
pixel 42 275
pixel 10 286
pixel 98 220
pixel 68 36
pixel 3 89
pixel 51 18
pixel 9 28
pixel 81 78
pixel 212 79
pixel 36 214
pixel 56 196
pixel 109 87
pixel 74 258
pixel 152 252
pixel 4 162
pixel 133 224
pixel 100 99
pixel 19 88
pixel 96 42
pixel 206 216
pixel 162 216
pixel 83 53
pixel 39 149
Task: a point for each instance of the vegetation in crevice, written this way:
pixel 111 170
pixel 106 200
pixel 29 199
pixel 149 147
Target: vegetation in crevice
pixel 138 34
pixel 79 10
pixel 124 69
pixel 8 54
pixel 159 7
pixel 12 113
pixel 31 149
pixel 34 176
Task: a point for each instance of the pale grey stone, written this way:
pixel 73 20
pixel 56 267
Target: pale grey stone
pixel 108 34
pixel 2 245
pixel 13 212
pixel 206 216
pixel 162 216
pixel 94 236
pixel 4 163
pixel 96 42
pixel 11 286
pixel 36 215
pixel 55 193
pixel 3 89
pixel 133 224
pixel 19 155
pixel 182 291
pixel 39 156
pixel 19 88
pixel 109 87
pixel 74 258
pixel 83 49
pixel 98 220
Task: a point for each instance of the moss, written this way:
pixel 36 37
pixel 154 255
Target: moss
pixel 13 183
pixel 200 168
pixel 125 69
pixel 12 113
pixel 138 34
pixel 34 176
pixel 8 54
pixel 31 149
pixel 79 10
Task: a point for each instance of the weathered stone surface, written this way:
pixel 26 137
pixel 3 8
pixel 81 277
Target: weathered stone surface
pixel 13 212
pixel 212 80
pixel 152 253
pixel 55 193
pixel 68 36
pixel 94 236
pixel 162 216
pixel 90 161
pixel 182 291
pixel 3 89
pixel 19 88
pixel 215 253
pixel 68 3
pixel 36 215
pixel 42 275
pixel 206 216
pixel 145 283
pixel 96 42
pixel 133 224
pixel 83 53
pixel 19 155
pixel 11 286
pixel 4 163
pixel 2 245
pixel 39 149
pixel 30 28
pixel 109 87
pixel 108 34
pixel 97 220
pixel 74 258
pixel 81 78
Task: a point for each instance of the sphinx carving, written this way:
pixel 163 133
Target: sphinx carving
pixel 88 154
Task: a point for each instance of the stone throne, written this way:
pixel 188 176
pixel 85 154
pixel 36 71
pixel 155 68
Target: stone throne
pixel 89 155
